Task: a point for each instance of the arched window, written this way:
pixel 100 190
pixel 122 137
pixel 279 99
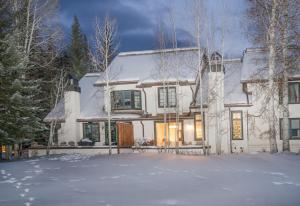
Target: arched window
pixel 216 59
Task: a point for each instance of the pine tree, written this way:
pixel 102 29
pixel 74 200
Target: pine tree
pixel 78 50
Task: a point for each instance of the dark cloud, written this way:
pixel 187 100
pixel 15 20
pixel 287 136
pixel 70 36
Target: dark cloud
pixel 137 19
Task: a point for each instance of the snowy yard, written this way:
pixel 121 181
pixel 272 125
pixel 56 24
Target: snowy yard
pixel 152 179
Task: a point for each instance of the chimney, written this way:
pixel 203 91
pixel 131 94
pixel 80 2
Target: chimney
pixel 72 111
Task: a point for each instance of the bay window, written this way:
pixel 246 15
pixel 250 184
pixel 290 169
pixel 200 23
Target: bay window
pixel 126 100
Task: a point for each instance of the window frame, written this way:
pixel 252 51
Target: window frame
pixel 168 122
pixel 231 125
pixel 167 104
pixel 203 126
pixel 280 127
pixel 84 130
pixel 132 98
pixel 289 99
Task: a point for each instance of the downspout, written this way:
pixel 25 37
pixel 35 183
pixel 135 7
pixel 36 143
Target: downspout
pixel 143 129
pixel 230 130
pixel 247 131
pixel 146 111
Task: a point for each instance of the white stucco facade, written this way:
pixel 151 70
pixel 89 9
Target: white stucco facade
pixel 224 94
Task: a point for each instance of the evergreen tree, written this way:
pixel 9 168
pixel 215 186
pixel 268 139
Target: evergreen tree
pixel 78 50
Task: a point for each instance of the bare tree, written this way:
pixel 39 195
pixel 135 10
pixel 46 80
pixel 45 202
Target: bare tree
pixel 264 16
pixel 60 88
pixel 105 50
pixel 276 27
pixel 198 14
pixel 163 72
pixel 288 25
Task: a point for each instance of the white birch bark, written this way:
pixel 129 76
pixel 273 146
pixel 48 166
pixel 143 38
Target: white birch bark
pixel 271 64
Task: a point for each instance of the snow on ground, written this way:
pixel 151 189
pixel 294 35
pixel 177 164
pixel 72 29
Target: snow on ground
pixel 152 179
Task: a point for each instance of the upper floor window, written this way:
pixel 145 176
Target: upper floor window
pixel 294 93
pixel 126 99
pixel 167 94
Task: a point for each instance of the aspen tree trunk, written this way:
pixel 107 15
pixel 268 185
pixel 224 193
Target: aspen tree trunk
pixel 272 58
pixel 285 120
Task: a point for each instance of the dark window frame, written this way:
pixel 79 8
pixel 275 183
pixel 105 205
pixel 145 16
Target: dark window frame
pixel 84 130
pixel 289 99
pixel 132 98
pixel 167 104
pixel 290 124
pixel 231 124
pixel 203 125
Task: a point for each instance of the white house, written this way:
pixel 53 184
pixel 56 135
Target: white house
pixel 232 103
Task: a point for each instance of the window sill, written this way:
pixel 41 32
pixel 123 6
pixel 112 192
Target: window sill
pixel 128 111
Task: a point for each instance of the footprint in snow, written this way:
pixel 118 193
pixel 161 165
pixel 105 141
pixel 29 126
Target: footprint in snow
pixel 26 178
pixel 31 199
pixel 22 195
pixel 27 203
pixel 26 190
pixel 227 189
pixel 3 172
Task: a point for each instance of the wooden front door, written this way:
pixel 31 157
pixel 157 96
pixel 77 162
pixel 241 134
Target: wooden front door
pixel 125 134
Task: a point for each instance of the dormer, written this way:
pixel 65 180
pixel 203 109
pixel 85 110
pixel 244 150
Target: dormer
pixel 216 61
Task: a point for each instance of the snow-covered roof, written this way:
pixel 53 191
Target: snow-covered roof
pixel 255 65
pixel 91 100
pixel 146 66
pixel 233 90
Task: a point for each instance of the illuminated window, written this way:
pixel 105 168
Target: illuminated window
pixel 199 127
pixel 171 130
pixel 236 125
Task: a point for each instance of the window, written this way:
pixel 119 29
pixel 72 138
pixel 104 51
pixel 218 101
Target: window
pixel 294 128
pixel 169 94
pixel 171 130
pixel 199 127
pixel 236 125
pixel 126 99
pixel 91 131
pixel 294 93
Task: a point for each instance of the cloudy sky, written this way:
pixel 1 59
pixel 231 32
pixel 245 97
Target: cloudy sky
pixel 138 19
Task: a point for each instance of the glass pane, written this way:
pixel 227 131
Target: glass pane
pixel 162 97
pixel 199 133
pixel 295 124
pixel 137 100
pixel 198 117
pixel 126 99
pixel 95 132
pixel 294 93
pixel 172 97
pixel 236 125
pixel 87 131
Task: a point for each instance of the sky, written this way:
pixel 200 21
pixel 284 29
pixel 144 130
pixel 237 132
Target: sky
pixel 137 21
